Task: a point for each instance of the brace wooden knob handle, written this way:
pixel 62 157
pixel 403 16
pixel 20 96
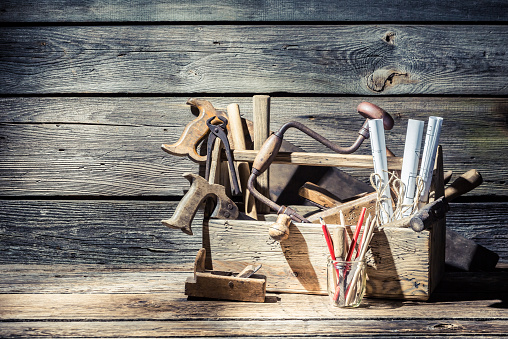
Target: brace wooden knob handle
pixel 267 153
pixel 371 111
pixel 280 229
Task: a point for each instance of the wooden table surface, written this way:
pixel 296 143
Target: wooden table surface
pixel 90 89
pixel 89 301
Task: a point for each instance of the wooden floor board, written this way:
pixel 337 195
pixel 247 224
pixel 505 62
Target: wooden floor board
pixel 249 328
pixel 173 305
pixel 97 301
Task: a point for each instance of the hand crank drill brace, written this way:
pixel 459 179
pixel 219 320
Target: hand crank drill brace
pixel 271 148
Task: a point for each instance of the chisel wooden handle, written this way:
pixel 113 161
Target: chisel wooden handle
pixel 429 214
pixel 463 184
pixel 237 133
pixel 432 212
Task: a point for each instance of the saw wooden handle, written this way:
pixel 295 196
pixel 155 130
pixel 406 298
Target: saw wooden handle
pixel 199 191
pixel 194 132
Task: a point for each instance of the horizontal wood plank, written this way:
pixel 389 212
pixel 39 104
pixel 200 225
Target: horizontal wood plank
pixel 60 300
pixel 320 159
pixel 254 329
pixel 333 59
pixel 259 11
pixel 161 306
pixel 172 305
pixel 111 146
pixel 95 232
pixel 170 277
pixel 130 232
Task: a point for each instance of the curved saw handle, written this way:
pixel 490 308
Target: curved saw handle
pixel 194 132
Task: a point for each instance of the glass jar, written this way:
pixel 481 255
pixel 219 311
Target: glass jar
pixel 346 282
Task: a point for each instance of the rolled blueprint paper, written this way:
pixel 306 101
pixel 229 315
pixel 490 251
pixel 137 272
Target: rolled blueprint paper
pixel 429 155
pixel 378 145
pixel 412 149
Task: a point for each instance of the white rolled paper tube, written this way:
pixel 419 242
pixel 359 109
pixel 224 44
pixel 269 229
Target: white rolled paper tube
pixel 412 151
pixel 429 155
pixel 378 146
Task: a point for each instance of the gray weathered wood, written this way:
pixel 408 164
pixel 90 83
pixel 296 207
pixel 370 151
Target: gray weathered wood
pixel 94 232
pixel 345 59
pixel 94 301
pixel 169 278
pixel 95 308
pixel 111 146
pixel 130 232
pixel 161 306
pixel 266 10
pixel 222 329
pixel 398 264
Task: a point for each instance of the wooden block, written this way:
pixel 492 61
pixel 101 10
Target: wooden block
pixel 351 210
pixel 398 262
pixel 223 285
pixel 261 120
pixel 437 256
pixel 318 195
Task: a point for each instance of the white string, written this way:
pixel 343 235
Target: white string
pixel 398 189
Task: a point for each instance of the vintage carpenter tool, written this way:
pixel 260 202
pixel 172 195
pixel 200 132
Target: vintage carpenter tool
pixel 283 186
pixel 194 132
pixel 200 190
pixel 238 135
pixel 319 196
pixel 460 253
pixel 463 184
pixel 463 254
pixel 271 147
pixel 245 286
pixel 279 230
pixel 219 131
pixel 424 218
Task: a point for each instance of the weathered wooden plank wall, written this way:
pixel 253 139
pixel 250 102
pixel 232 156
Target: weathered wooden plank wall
pixel 89 90
pixel 65 11
pixel 317 59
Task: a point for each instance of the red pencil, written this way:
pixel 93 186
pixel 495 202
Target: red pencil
pixel 357 232
pixel 328 239
pixel 329 243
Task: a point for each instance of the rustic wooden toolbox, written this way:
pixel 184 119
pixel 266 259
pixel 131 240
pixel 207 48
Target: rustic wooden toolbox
pixel 402 263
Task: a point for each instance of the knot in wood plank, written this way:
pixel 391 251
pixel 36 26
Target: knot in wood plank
pixel 381 79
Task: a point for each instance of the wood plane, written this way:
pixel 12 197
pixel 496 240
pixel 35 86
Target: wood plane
pixel 224 285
